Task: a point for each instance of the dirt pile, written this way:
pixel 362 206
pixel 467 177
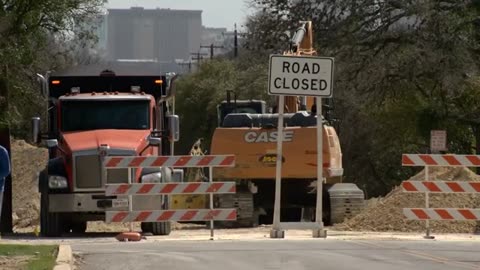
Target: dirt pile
pixel 27 161
pixel 385 214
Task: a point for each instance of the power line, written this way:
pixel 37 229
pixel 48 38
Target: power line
pixel 211 46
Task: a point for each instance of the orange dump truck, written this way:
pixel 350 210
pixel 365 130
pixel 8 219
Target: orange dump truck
pixel 90 117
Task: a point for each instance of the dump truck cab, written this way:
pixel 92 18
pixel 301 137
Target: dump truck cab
pixel 90 117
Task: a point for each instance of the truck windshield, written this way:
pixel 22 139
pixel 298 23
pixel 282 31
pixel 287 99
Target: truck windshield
pixel 100 114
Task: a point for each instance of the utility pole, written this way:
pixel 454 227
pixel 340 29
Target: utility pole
pixel 199 57
pixel 211 49
pixel 235 42
pixel 189 64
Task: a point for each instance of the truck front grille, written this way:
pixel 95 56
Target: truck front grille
pixel 88 173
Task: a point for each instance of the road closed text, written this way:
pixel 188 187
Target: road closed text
pixel 304 84
pixel 300 75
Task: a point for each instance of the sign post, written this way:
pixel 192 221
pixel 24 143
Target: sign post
pixel 438 142
pixel 299 76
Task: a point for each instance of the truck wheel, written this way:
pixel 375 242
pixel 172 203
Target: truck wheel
pixel 157 228
pixel 50 223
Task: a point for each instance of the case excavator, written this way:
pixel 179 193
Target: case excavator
pixel 248 131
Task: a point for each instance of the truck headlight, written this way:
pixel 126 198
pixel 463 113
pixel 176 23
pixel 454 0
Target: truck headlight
pixel 55 181
pixel 152 178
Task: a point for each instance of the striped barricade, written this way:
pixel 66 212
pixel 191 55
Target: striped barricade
pixel 441 214
pixel 165 189
pixel 441 186
pixel 170 188
pixel 169 161
pixel 427 187
pixel 440 160
pixel 172 215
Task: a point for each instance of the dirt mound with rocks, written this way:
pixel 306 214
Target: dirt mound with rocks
pixel 385 214
pixel 27 161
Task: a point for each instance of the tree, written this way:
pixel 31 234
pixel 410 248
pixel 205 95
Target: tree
pixel 401 70
pixel 198 94
pixel 36 37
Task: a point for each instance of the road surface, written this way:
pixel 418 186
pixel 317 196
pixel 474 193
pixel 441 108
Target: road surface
pixel 331 254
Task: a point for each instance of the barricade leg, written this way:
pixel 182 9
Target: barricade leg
pixel 277 231
pixel 319 232
pixel 210 179
pixel 427 205
pixel 130 201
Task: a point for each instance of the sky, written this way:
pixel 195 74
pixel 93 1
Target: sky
pixel 216 13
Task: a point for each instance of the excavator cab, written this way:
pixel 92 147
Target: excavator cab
pixel 239 106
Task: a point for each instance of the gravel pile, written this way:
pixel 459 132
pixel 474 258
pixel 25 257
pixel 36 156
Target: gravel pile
pixel 385 214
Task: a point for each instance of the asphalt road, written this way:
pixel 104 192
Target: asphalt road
pixel 280 254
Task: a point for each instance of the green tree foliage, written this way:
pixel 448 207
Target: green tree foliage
pixel 37 36
pixel 401 70
pixel 199 93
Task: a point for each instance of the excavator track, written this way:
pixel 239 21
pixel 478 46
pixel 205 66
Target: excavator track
pixel 346 201
pixel 243 202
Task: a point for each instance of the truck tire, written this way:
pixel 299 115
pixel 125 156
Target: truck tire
pixel 157 228
pixel 50 223
pixel 79 227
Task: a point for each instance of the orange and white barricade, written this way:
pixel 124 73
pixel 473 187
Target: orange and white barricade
pixel 427 187
pixel 172 188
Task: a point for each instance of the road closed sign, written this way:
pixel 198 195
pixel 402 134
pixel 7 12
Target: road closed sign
pixel 300 76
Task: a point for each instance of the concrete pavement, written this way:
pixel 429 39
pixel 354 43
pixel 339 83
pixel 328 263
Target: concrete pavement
pixel 280 254
pixel 253 249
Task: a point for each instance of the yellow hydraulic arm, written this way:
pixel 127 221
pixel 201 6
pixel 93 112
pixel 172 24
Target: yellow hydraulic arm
pixel 300 44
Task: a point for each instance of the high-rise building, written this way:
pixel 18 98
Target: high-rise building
pixel 163 35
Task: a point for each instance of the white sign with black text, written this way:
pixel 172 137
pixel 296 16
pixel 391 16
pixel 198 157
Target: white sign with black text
pixel 300 76
pixel 438 140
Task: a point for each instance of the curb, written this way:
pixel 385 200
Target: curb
pixel 64 258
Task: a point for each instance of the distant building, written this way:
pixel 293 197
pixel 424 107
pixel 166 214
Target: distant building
pixel 162 35
pixel 213 35
pixel 101 32
pixel 220 37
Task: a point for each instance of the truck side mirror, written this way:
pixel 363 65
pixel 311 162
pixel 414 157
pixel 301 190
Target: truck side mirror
pixel 174 127
pixel 52 143
pixel 36 129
